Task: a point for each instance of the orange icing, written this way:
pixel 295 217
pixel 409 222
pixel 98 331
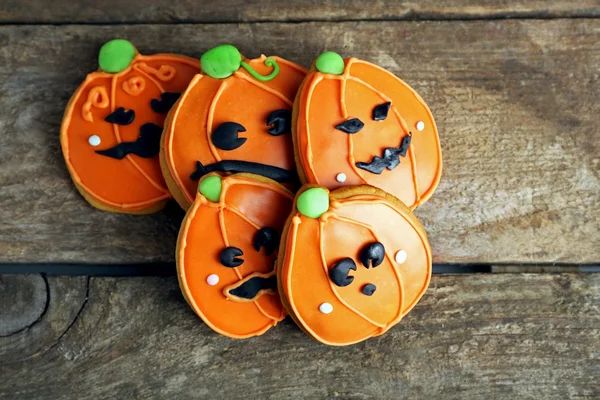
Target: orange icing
pixel 132 184
pixel 246 204
pixel 313 246
pixel 165 72
pixel 96 98
pixel 323 152
pixel 209 102
pixel 134 86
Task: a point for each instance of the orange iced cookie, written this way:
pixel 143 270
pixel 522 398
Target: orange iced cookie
pixel 356 123
pixel 110 134
pixel 354 261
pixel 234 117
pixel 226 253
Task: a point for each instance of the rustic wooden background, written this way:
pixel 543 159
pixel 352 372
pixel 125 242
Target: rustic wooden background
pixel 515 87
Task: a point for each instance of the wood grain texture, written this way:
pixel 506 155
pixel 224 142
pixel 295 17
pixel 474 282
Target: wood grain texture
pixel 36 312
pixel 23 300
pixel 516 104
pixel 163 11
pixel 471 337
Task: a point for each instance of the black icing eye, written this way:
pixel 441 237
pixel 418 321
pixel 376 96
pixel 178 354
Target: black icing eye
pixel 380 112
pixel 229 257
pixel 267 238
pixel 339 273
pixel 167 99
pixel 281 121
pixel 225 137
pixel 368 289
pixel 350 126
pixel 372 255
pixel 121 117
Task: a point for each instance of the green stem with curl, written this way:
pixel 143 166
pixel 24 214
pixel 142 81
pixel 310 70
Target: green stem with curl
pixel 269 62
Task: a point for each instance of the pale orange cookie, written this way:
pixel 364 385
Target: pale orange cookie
pixel 356 123
pixel 352 263
pixel 110 134
pixel 226 253
pixel 234 117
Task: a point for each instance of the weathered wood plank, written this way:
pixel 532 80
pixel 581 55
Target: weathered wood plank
pixel 516 104
pixel 492 336
pixel 36 312
pixel 163 11
pixel 23 300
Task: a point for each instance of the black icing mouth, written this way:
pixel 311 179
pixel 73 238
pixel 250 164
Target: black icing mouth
pixel 146 145
pixel 390 158
pixel 252 287
pixel 277 174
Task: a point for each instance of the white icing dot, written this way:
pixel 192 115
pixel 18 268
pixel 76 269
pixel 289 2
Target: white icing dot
pixel 326 308
pixel 420 125
pixel 400 256
pixel 94 140
pixel 341 177
pixel 212 279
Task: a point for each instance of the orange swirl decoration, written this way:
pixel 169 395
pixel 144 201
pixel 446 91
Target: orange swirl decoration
pixel 226 252
pixel 96 98
pixel 353 263
pixel 165 72
pixel 110 134
pixel 356 123
pixel 234 117
pixel 134 86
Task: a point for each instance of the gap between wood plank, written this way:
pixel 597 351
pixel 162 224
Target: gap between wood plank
pixel 408 18
pixel 168 269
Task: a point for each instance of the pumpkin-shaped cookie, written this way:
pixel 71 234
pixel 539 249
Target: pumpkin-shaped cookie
pixel 226 253
pixel 356 123
pixel 234 117
pixel 353 262
pixel 111 130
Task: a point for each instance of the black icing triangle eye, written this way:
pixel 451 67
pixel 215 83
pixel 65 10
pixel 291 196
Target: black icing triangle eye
pixel 267 238
pixel 167 99
pixel 350 126
pixel 281 121
pixel 121 117
pixel 225 137
pixel 380 112
pixel 372 255
pixel 339 273
pixel 229 257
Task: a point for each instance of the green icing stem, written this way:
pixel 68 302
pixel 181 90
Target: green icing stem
pixel 269 62
pixel 313 202
pixel 222 61
pixel 116 55
pixel 210 187
pixel 330 63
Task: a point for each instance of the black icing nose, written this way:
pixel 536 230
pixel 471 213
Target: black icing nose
pixel 368 289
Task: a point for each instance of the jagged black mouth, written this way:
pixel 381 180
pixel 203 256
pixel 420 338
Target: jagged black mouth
pixel 390 158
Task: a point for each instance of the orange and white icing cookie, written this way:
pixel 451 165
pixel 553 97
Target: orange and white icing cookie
pixel 356 123
pixel 226 253
pixel 111 130
pixel 234 117
pixel 353 262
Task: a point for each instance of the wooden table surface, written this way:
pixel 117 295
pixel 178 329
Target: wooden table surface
pixel 515 88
